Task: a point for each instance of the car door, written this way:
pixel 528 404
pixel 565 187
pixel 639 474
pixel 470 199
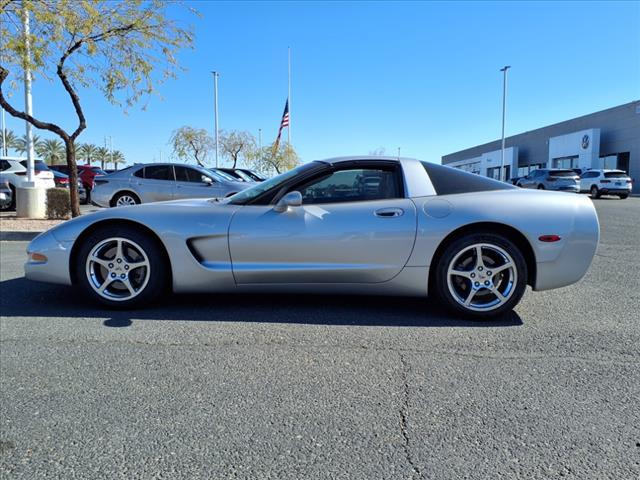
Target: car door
pixel 585 180
pixel 192 183
pixel 157 185
pixel 354 226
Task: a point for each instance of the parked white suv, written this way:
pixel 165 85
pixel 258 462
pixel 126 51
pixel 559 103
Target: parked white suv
pixel 606 182
pixel 14 173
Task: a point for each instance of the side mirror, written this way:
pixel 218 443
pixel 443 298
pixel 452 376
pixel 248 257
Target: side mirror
pixel 207 180
pixel 291 199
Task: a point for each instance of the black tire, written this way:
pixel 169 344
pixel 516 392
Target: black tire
pixel 119 195
pixel 440 282
pixel 540 187
pixel 623 196
pixel 158 271
pixel 12 205
pixel 594 192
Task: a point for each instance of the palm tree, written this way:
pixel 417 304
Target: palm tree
pixel 11 140
pixel 102 155
pixel 20 145
pixel 117 158
pixel 52 151
pixel 87 152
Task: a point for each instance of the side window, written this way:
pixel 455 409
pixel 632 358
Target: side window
pixel 353 185
pixel 158 172
pixel 139 173
pixel 186 174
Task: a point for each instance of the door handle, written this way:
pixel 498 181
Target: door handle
pixel 389 212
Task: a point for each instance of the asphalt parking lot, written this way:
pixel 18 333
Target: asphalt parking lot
pixel 254 387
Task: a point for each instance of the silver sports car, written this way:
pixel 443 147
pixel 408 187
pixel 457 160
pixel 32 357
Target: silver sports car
pixel 380 226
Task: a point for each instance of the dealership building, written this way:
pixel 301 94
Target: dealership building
pixel 606 139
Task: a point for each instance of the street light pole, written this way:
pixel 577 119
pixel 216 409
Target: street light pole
pixel 504 108
pixel 215 108
pixel 27 97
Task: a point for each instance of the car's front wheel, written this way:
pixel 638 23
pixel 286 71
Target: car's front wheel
pixel 481 276
pixel 122 267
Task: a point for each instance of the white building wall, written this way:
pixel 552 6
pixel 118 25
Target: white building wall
pixel 585 144
pixel 489 160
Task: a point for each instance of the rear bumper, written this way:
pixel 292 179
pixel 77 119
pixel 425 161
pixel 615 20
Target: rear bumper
pixel 577 252
pixel 615 191
pixel 566 188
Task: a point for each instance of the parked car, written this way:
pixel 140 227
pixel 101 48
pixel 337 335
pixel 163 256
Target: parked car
pixel 606 182
pixel 14 172
pixel 243 174
pixel 6 195
pixel 386 226
pixel 86 173
pixel 62 181
pixel 515 180
pixel 156 182
pixel 562 180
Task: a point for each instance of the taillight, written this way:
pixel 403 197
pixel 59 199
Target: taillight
pixel 100 182
pixel 551 179
pixel 22 174
pixel 629 181
pixel 605 181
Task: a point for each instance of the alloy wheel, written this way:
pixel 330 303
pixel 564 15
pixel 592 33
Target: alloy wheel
pixel 118 269
pixel 482 277
pixel 125 200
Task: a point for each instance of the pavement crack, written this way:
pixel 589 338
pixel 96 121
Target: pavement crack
pixel 404 409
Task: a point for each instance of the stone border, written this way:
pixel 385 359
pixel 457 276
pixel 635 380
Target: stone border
pixel 18 236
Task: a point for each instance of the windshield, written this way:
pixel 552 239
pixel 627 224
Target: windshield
pixel 252 175
pixel 244 176
pixel 224 175
pixel 245 196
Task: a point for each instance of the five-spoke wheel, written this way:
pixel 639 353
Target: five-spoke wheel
pixel 122 266
pixel 481 275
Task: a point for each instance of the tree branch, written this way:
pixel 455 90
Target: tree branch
pixel 52 127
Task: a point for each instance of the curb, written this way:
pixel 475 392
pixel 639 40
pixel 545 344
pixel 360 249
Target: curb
pixel 18 236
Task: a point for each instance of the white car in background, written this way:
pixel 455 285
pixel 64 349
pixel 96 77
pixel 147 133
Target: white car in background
pixel 14 172
pixel 606 182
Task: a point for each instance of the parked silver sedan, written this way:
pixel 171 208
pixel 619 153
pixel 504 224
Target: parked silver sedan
pixel 552 179
pixel 378 226
pixel 156 182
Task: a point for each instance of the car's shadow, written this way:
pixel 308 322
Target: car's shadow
pixel 22 298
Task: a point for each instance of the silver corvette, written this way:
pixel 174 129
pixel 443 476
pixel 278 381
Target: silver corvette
pixel 380 226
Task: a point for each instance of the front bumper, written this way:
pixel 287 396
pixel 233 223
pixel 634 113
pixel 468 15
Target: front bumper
pixel 56 268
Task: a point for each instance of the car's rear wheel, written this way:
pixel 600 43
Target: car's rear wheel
pixel 122 267
pixel 595 193
pixel 124 199
pixel 481 276
pixel 540 187
pixel 623 196
pixel 12 205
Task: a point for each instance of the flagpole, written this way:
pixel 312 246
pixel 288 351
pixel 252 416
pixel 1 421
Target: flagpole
pixel 215 108
pixel 289 94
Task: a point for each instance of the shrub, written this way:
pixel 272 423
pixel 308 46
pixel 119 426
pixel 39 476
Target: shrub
pixel 58 204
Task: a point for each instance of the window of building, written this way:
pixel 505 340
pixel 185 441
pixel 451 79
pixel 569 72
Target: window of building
pixel 616 161
pixel 565 162
pixel 494 172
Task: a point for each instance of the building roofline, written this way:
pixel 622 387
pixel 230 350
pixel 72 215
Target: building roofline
pixel 543 128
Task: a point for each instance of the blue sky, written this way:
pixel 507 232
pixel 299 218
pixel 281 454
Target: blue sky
pixel 420 76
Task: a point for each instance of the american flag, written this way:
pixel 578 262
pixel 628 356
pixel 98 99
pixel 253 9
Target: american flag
pixel 283 123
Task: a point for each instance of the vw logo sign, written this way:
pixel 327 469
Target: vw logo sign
pixel 585 142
